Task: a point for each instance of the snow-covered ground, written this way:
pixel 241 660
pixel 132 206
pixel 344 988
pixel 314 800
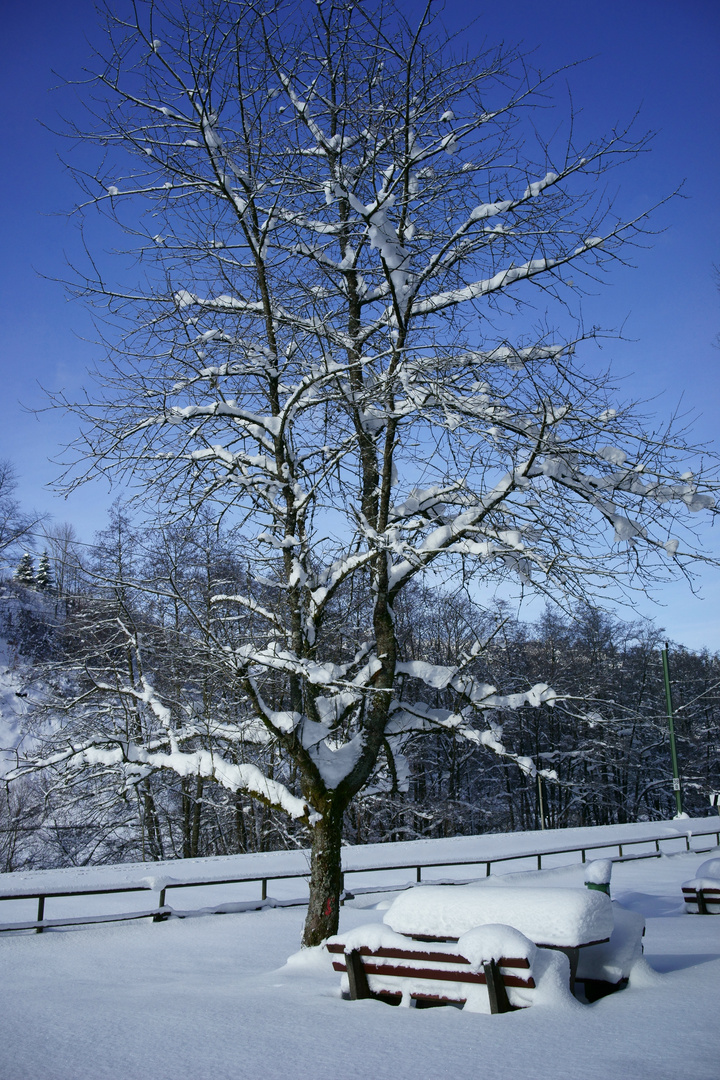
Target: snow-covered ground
pixel 218 998
pixel 519 849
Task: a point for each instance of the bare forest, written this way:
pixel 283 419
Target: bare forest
pixel 342 373
pixel 604 745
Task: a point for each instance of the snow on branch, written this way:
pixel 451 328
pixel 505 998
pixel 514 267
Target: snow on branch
pixel 480 695
pixel 127 756
pixel 409 717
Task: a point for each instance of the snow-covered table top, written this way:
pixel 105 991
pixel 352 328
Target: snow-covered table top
pixel 564 918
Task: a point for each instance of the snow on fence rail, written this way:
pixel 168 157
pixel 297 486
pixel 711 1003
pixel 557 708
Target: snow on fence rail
pixel 162 885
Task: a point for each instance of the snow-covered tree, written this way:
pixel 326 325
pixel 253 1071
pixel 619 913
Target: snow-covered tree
pixel 65 559
pixel 44 581
pixel 338 225
pixel 16 526
pixel 25 571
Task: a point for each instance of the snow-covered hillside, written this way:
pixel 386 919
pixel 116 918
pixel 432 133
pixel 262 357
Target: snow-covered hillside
pixel 13 702
pixel 28 620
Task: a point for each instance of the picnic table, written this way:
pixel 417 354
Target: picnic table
pixel 552 918
pixel 702 893
pixel 500 936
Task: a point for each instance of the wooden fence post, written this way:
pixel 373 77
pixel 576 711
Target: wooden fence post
pixel 160 917
pixel 40 913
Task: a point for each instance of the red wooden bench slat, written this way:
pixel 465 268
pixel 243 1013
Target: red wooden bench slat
pixel 702 897
pixel 358 969
pixel 437 974
pixel 440 958
pixel 540 944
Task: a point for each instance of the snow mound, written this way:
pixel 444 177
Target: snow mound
pixel 551 972
pixel 313 960
pixel 710 869
pixel 707 877
pixel 157 882
pixel 493 941
pixel 599 871
pixel 548 916
pixel 378 936
pixel 613 960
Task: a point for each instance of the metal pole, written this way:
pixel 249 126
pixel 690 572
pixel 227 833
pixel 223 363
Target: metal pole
pixel 540 800
pixel 673 748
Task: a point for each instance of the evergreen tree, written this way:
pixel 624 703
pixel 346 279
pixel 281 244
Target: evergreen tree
pixel 44 579
pixel 25 572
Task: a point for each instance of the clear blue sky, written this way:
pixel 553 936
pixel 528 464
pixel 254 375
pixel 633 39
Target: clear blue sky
pixel 659 56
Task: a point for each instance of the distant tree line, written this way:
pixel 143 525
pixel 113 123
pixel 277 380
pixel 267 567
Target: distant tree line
pixel 108 640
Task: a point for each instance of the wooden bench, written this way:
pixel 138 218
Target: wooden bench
pixel 702 899
pixel 565 920
pixel 702 893
pixel 446 941
pixel 445 976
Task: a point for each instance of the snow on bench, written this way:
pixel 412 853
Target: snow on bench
pixel 551 917
pixel 702 893
pixel 492 968
pixel 495 929
pixel 606 967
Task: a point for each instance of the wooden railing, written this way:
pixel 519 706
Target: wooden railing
pixel 162 911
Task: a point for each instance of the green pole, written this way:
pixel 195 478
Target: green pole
pixel 673 748
pixel 540 800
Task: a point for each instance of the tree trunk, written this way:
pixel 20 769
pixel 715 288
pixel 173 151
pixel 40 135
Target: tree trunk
pixel 152 825
pixel 187 847
pixel 196 817
pixel 325 878
pixel 241 838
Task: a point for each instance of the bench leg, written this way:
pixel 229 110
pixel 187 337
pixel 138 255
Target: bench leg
pixel 357 979
pixel 573 955
pixel 702 905
pixel 497 992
